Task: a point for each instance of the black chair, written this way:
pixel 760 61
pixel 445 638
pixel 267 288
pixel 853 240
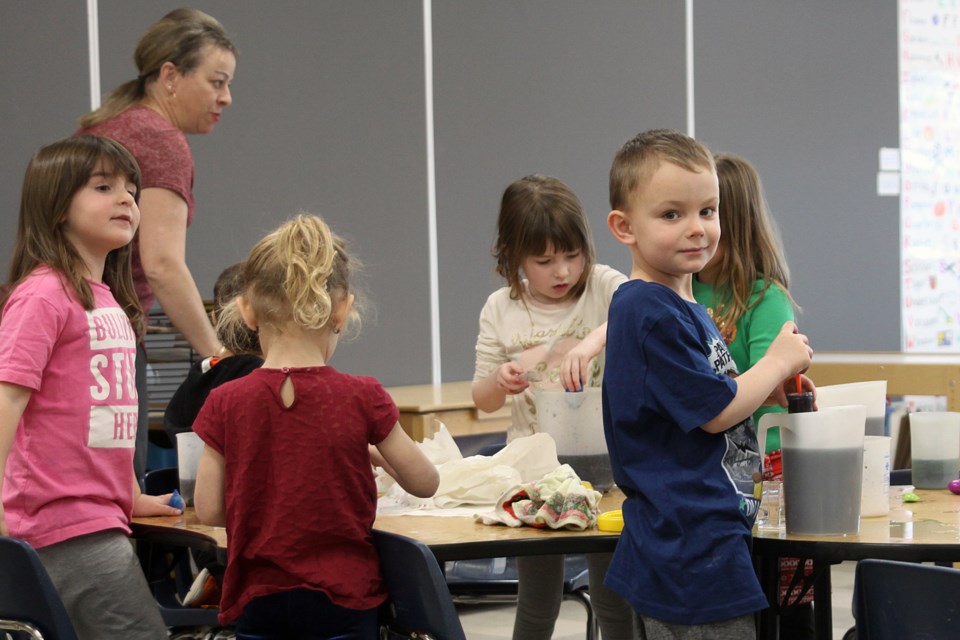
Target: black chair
pixel 29 604
pixel 160 481
pixel 896 600
pixel 419 604
pixel 167 567
pixel 901 477
pixel 496 579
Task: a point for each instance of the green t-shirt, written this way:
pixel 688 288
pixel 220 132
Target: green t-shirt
pixel 754 332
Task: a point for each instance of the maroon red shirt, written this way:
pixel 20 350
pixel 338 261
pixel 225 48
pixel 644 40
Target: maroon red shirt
pixel 300 493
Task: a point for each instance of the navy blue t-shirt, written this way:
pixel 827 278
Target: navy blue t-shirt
pixel 684 556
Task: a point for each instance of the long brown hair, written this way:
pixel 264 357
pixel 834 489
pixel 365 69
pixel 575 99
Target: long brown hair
pixel 179 37
pixel 537 211
pixel 752 249
pixel 54 175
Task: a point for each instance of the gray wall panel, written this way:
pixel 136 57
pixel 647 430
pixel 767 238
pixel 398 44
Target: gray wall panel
pixel 537 87
pixel 44 73
pixel 808 92
pixel 328 116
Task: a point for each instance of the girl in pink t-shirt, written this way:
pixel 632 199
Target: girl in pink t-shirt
pixel 68 401
pixel 286 466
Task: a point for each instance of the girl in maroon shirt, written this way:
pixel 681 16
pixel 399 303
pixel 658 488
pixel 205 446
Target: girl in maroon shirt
pixel 287 462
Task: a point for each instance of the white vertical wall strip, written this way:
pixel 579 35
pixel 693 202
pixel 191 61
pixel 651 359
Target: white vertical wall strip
pixel 435 370
pixel 93 36
pixel 691 119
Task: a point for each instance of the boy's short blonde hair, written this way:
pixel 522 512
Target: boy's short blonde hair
pixel 638 159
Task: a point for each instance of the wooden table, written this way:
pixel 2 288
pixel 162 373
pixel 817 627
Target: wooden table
pixel 449 538
pixel 905 373
pixel 460 538
pixel 925 531
pixel 451 403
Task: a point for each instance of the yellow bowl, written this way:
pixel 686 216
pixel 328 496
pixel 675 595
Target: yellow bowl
pixel 611 521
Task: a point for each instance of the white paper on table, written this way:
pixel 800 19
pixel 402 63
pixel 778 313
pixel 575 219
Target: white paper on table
pixel 477 480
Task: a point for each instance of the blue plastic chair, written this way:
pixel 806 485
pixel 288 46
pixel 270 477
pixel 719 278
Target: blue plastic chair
pixel 30 606
pixel 419 604
pixel 896 600
pixel 167 567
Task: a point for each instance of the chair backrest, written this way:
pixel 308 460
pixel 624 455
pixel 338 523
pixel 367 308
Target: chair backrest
pixel 906 600
pixel 419 601
pixel 160 481
pixel 901 477
pixel 27 595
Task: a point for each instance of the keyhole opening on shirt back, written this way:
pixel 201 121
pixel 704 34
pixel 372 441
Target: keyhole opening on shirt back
pixel 287 395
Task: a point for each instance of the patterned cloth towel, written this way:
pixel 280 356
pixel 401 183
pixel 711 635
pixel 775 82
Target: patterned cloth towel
pixel 556 501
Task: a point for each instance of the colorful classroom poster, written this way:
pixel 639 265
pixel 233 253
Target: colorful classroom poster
pixel 930 195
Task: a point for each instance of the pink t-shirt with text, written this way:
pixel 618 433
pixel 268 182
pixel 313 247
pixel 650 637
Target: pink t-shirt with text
pixel 70 470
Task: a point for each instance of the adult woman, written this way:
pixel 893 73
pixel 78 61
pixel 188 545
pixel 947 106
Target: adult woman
pixel 185 65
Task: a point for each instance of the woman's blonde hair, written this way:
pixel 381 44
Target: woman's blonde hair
pixel 179 37
pixel 54 175
pixel 752 249
pixel 536 212
pixel 296 275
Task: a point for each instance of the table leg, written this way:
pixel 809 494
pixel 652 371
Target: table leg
pixel 768 570
pixel 822 600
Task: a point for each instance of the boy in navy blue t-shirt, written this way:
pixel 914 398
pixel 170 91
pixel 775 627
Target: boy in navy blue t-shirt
pixel 676 415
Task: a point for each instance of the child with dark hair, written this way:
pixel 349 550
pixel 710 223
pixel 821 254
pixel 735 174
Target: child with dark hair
pixel 241 355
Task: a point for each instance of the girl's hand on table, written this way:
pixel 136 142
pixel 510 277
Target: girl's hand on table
pixel 145 505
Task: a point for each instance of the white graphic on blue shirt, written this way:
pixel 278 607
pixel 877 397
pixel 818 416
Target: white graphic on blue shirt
pixel 741 458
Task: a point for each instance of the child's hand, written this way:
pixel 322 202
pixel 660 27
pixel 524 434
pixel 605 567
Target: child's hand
pixel 788 386
pixel 145 505
pixel 576 364
pixel 510 378
pixel 791 349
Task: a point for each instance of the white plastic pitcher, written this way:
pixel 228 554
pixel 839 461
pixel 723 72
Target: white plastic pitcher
pixel 822 467
pixel 574 419
pixel 872 395
pixel 934 448
pixel 189 448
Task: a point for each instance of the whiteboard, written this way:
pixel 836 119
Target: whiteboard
pixel 929 54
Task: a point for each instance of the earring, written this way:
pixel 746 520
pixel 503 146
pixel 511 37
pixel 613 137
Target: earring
pixel 336 331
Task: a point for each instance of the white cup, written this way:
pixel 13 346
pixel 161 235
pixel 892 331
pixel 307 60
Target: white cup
pixel 189 448
pixel 875 491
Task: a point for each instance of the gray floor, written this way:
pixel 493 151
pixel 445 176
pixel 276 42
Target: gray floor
pixel 495 622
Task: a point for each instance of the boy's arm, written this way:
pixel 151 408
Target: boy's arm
pixel 13 401
pixel 788 355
